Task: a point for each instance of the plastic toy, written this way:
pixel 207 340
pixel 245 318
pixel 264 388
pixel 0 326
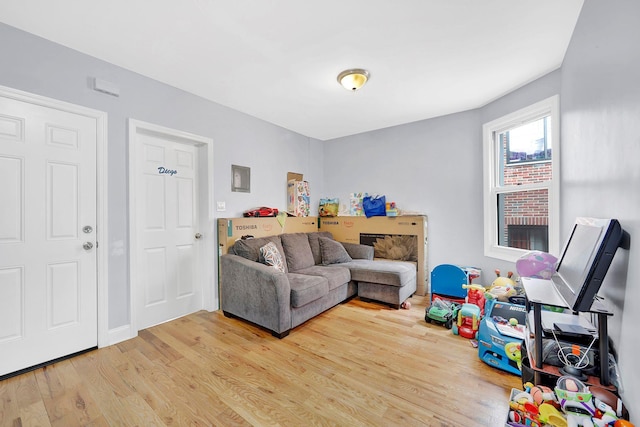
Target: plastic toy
pixel 523 411
pixel 606 401
pixel 513 351
pixel 447 278
pixel 576 401
pixel 468 321
pixel 520 416
pixel 475 295
pixel 609 408
pixel 549 415
pixel 536 264
pixel 442 311
pixel 542 394
pixel 588 407
pixel 500 336
pixel 261 211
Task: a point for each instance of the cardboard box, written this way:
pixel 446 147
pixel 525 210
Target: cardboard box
pixel 400 237
pixel 298 195
pixel 294 176
pixel 232 229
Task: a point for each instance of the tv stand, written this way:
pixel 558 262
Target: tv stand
pixel 536 298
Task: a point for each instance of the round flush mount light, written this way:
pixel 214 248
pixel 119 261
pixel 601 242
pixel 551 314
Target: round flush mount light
pixel 353 79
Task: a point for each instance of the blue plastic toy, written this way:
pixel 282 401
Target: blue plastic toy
pixel 500 336
pixel 447 281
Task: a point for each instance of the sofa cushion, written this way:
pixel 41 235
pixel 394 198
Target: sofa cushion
pixel 332 252
pixel 270 255
pixel 315 244
pixel 250 248
pixel 297 251
pixel 393 273
pixel 337 275
pixel 358 251
pixel 306 288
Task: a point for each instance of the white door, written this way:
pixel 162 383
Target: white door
pixel 48 278
pixel 168 278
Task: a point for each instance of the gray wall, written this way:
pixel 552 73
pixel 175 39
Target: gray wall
pixel 435 166
pixel 600 107
pixel 429 167
pixel 432 166
pixel 35 65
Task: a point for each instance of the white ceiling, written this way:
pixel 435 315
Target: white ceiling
pixel 278 59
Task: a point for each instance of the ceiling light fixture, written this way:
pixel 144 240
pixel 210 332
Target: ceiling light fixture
pixel 353 79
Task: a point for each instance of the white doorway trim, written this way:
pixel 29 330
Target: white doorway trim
pixel 209 289
pixel 102 234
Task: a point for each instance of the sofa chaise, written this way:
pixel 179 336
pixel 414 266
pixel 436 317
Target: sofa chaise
pixel 279 282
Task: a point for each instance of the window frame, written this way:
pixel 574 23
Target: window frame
pixel 491 170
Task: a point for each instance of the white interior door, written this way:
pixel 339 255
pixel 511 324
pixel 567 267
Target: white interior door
pixel 168 278
pixel 48 278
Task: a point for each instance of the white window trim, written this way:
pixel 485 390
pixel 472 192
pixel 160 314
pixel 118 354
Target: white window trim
pixel 549 106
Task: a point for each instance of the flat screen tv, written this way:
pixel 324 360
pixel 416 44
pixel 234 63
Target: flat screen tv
pixel 585 260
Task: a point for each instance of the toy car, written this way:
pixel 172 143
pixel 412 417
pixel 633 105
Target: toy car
pixel 442 311
pixel 500 338
pixel 261 211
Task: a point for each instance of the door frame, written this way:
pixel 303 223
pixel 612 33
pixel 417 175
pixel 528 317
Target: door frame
pixel 102 220
pixel 205 207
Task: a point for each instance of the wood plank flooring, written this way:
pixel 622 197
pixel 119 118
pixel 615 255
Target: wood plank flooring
pixel 358 364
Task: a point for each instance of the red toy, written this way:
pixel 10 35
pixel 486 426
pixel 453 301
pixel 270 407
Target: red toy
pixel 475 295
pixel 468 321
pixel 261 211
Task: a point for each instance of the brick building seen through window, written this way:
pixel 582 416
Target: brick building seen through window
pixel 525 214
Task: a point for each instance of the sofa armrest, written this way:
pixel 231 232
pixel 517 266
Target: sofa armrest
pixel 255 292
pixel 357 251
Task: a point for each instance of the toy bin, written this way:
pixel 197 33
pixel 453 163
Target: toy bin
pixel 447 281
pixel 499 340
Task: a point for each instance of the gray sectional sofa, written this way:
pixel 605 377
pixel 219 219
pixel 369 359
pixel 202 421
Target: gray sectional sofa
pixel 309 273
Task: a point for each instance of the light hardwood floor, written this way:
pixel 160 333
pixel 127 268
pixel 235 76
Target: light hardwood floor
pixel 358 364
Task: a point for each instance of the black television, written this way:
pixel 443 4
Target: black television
pixel 585 260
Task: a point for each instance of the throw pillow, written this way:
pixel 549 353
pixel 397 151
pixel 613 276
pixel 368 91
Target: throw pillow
pixel 332 252
pixel 271 256
pixel 315 244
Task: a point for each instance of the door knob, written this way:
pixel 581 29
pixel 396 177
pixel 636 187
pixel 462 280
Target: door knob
pixel 87 246
pixel 198 236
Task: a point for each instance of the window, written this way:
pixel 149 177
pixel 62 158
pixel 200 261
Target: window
pixel 528 143
pixel 530 237
pixel 521 171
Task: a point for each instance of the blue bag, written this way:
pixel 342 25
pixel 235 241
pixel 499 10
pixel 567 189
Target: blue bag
pixel 374 206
